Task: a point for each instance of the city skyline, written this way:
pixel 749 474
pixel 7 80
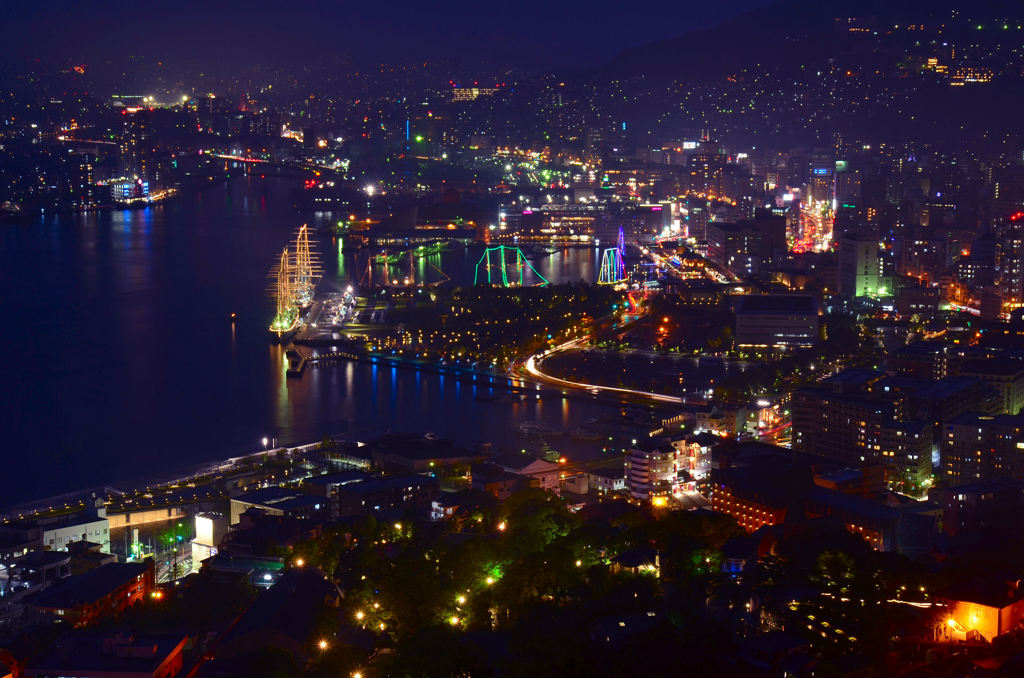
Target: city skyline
pixel 467 340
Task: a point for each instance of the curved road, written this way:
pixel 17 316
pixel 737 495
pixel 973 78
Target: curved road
pixel 531 367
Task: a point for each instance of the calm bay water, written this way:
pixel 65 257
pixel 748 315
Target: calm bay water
pixel 119 359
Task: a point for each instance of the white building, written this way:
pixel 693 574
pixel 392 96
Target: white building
pixel 210 530
pixel 695 459
pixel 606 481
pixel 88 525
pixel 652 470
pixel 543 474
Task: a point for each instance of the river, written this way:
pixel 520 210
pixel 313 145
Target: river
pixel 119 359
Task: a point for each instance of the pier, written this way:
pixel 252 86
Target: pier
pixel 298 361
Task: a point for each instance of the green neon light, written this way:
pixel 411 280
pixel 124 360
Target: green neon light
pixel 521 262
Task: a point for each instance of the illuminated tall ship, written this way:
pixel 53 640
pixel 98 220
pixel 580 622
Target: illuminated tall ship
pixel 307 271
pixel 294 280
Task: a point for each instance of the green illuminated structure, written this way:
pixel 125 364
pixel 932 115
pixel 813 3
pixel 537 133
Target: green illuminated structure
pixel 496 262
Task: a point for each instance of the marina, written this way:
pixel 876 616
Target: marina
pixel 149 291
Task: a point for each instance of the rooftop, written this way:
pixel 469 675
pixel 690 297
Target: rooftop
pixel 386 483
pixel 269 496
pixel 776 303
pixel 946 387
pixel 290 607
pixel 339 478
pixel 856 376
pixel 88 587
pixel 920 348
pixel 98 653
pixel 988 420
pixel 994 367
pixel 617 472
pixel 992 591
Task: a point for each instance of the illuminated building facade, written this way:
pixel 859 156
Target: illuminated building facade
pixel 87 598
pixel 695 460
pixel 981 447
pixel 652 470
pixel 136 154
pixel 979 611
pixel 858 428
pixel 1006 377
pixel 82 180
pixel 210 530
pixel 859 267
pixel 776 320
pixel 1010 260
pixel 822 182
pixel 761 485
pixel 471 93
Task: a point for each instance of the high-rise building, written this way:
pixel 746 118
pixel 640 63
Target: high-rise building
pixel 982 447
pixel 860 428
pixel 1010 259
pixel 822 183
pixel 696 214
pixel 747 247
pixel 595 144
pixel 82 190
pixel 1005 376
pixel 136 155
pixel 848 189
pixel 705 173
pixel 859 267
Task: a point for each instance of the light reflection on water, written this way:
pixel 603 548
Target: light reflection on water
pixel 123 360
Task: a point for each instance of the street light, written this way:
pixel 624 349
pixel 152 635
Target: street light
pixel 265 441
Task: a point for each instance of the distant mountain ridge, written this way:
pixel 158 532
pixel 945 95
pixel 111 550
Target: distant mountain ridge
pixel 791 31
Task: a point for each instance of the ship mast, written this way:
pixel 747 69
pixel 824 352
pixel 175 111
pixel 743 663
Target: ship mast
pixel 306 271
pixel 284 295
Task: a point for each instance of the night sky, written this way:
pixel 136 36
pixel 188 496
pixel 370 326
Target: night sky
pixel 525 33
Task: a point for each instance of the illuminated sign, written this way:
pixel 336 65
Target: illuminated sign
pixel 822 171
pixel 689 145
